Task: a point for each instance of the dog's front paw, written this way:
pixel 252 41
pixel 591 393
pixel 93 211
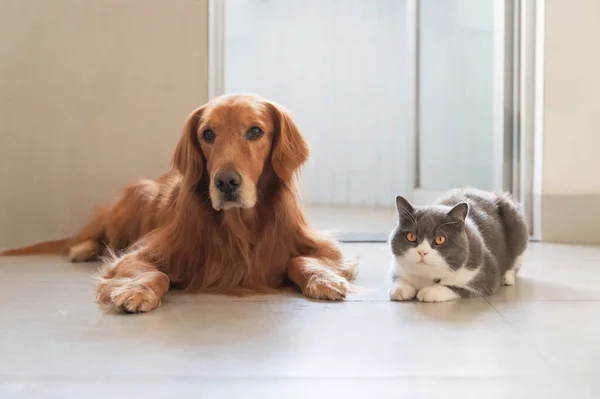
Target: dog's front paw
pixel 329 286
pixel 128 295
pixel 436 293
pixel 402 291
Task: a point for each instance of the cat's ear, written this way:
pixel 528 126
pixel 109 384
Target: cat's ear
pixel 460 211
pixel 403 205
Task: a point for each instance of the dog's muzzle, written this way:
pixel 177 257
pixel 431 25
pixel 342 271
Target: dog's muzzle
pixel 228 182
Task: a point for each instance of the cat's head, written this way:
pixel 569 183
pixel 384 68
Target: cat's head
pixel 430 237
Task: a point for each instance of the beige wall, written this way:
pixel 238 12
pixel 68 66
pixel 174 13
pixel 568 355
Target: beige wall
pixel 92 94
pixel 571 137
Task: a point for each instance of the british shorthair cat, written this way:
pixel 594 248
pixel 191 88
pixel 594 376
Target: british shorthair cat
pixel 466 245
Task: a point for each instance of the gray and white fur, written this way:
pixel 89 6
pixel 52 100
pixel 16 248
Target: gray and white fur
pixel 484 237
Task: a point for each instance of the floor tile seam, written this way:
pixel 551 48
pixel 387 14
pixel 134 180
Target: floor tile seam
pixel 33 378
pixel 525 338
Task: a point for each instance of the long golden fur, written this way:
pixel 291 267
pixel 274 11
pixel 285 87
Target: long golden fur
pixel 180 230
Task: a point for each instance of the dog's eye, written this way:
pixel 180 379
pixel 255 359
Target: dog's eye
pixel 254 133
pixel 208 136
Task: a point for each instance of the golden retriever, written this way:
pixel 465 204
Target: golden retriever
pixel 225 219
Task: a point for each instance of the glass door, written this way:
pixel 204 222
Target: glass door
pixel 463 76
pixel 339 67
pixel 395 97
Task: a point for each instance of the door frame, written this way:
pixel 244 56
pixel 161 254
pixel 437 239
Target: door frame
pixel 216 48
pixel 534 20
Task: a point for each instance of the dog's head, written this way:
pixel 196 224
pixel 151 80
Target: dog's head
pixel 231 141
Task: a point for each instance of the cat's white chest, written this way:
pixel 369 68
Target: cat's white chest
pixel 419 277
pixel 422 275
pixel 419 282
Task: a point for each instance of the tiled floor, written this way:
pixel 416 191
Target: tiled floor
pixel 539 339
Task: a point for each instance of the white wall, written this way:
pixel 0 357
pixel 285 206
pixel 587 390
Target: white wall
pixel 570 183
pixel 572 97
pixel 93 94
pixel 340 68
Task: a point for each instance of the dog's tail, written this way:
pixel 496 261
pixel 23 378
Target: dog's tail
pixel 93 230
pixel 56 247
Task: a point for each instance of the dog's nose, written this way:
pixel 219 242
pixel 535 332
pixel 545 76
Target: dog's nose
pixel 227 181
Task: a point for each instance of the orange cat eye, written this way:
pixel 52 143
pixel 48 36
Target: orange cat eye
pixel 439 240
pixel 411 237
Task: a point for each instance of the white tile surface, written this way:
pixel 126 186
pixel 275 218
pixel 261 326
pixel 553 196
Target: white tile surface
pixel 540 338
pixel 299 388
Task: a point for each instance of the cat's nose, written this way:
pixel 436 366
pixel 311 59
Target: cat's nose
pixel 421 252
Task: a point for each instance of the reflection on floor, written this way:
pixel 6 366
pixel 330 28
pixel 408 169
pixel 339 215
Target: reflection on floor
pixel 539 339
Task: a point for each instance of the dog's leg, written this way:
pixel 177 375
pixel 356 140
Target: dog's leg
pixel 325 273
pixel 316 279
pixel 132 284
pixel 87 251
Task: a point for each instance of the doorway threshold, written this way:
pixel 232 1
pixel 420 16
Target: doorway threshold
pixel 353 223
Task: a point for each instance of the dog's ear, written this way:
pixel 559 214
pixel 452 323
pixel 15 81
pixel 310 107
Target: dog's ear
pixel 290 150
pixel 188 158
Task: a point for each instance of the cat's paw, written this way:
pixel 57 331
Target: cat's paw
pixel 402 292
pixel 436 293
pixel 509 278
